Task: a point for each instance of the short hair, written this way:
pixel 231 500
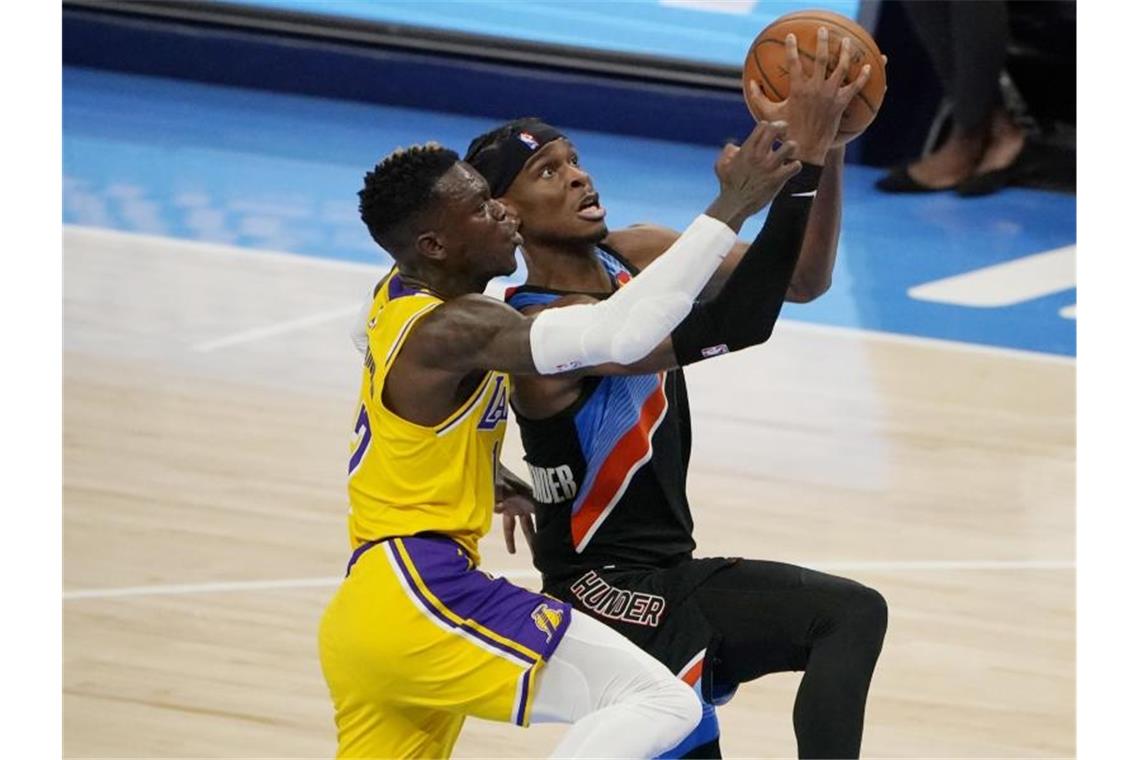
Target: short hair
pixel 500 134
pixel 401 187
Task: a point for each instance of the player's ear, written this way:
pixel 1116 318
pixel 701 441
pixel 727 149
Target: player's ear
pixel 430 246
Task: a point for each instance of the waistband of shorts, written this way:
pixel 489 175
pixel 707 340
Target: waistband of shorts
pixel 359 551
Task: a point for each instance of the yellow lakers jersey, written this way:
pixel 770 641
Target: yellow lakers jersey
pixel 404 478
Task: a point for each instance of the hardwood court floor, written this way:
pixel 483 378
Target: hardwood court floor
pixel 207 403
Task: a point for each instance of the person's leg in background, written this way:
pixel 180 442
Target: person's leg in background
pixel 966 41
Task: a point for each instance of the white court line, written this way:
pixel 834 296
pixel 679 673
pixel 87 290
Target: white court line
pixel 268 331
pixel 376 268
pixel 948 564
pixel 918 340
pixel 495 289
pixel 527 574
pixel 224 586
pixel 1007 283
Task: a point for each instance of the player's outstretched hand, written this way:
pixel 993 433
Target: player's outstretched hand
pixel 815 103
pixel 518 510
pixel 752 173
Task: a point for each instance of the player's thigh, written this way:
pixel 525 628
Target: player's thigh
pixel 592 667
pixel 767 615
pixel 374 730
pixel 408 629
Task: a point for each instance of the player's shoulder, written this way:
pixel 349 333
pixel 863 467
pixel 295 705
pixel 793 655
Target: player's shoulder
pixel 464 309
pixel 641 243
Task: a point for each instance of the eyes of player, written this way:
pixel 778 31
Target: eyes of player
pixel 549 170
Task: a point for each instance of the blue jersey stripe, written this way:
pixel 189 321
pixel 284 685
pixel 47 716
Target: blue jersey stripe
pixel 613 408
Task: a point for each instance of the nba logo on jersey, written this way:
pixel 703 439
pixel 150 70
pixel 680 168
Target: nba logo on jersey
pixel 496 411
pixel 528 139
pixel 546 619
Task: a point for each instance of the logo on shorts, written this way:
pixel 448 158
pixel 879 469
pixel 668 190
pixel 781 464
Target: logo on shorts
pixel 528 139
pixel 546 619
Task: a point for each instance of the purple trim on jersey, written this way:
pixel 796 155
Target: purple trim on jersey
pixel 397 288
pixel 613 408
pixel 494 603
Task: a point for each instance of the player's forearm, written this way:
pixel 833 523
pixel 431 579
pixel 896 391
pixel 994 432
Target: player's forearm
pixel 510 483
pixel 745 311
pixel 812 276
pixel 633 321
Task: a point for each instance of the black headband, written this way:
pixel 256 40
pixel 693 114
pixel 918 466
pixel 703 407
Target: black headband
pixel 501 162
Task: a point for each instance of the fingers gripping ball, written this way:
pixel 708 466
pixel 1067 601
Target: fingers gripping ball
pixel 767 65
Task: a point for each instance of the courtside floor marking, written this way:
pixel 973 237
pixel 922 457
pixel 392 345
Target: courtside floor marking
pixel 279 328
pixel 526 574
pixel 1007 283
pixel 375 271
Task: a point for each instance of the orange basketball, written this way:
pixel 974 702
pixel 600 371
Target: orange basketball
pixel 767 62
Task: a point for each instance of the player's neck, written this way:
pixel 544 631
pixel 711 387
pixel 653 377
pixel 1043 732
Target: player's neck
pixel 570 268
pixel 443 285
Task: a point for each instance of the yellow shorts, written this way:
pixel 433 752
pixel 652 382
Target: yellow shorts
pixel 416 639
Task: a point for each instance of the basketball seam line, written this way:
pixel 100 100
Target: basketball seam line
pixel 811 58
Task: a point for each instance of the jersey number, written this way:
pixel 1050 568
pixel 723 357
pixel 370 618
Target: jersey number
pixel 364 437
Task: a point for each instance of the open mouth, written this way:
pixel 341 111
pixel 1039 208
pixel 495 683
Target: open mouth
pixel 590 209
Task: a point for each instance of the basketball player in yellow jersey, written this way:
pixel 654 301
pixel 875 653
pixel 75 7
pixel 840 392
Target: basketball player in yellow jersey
pixel 417 638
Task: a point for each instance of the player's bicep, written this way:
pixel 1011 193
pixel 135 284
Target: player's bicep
pixel 475 332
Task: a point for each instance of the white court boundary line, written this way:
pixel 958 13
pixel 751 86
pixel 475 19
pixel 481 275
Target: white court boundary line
pixel 496 290
pixel 280 328
pixel 525 574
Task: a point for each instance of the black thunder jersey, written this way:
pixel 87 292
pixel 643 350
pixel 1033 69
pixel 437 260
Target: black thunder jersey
pixel 609 471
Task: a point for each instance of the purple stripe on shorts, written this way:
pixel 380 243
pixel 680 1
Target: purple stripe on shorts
pixel 523 697
pixel 535 621
pixel 356 555
pixel 440 616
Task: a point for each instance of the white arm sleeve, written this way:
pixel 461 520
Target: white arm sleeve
pixel 630 323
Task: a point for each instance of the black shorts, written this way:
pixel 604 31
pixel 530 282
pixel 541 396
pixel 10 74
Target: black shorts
pixel 655 609
pixel 733 619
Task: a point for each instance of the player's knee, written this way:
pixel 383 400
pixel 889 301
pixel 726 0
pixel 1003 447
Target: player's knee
pixel 674 700
pixel 682 702
pixel 867 612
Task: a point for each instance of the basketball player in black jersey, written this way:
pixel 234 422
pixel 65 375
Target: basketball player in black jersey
pixel 608 454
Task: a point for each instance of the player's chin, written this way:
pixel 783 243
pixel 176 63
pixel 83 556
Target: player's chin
pixel 509 268
pixel 592 232
pixel 507 263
